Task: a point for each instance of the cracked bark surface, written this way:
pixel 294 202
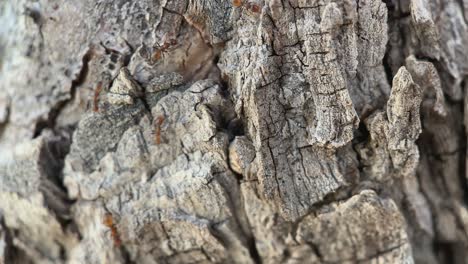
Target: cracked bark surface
pixel 300 131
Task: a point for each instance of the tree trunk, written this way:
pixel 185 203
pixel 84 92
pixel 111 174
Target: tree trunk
pixel 300 131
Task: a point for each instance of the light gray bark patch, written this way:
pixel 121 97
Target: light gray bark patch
pixel 211 18
pixel 241 154
pixel 325 234
pixel 45 78
pixel 164 82
pixel 33 169
pixel 97 133
pixel 364 219
pixel 32 200
pixel 426 30
pixel 39 234
pixel 291 69
pixel 336 116
pixel 169 175
pixel 453 40
pixel 124 89
pixel 369 88
pixel 425 75
pixel 404 121
pixel 393 134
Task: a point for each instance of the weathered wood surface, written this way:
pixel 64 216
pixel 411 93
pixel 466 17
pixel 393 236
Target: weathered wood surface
pixel 301 131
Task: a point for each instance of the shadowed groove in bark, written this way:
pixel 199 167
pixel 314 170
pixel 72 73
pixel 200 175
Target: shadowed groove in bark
pixel 55 111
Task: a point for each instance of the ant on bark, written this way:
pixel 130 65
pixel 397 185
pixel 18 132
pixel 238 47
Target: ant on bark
pixel 109 222
pixel 159 52
pixel 248 5
pixel 157 128
pixel 97 92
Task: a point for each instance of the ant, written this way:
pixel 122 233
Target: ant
pixel 97 91
pixel 252 7
pixel 158 124
pixel 162 49
pixel 109 222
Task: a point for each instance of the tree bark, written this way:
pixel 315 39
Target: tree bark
pixel 300 131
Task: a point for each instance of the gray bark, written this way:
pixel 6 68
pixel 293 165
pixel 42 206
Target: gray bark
pixel 300 131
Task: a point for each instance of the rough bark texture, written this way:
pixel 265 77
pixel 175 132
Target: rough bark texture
pixel 300 131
